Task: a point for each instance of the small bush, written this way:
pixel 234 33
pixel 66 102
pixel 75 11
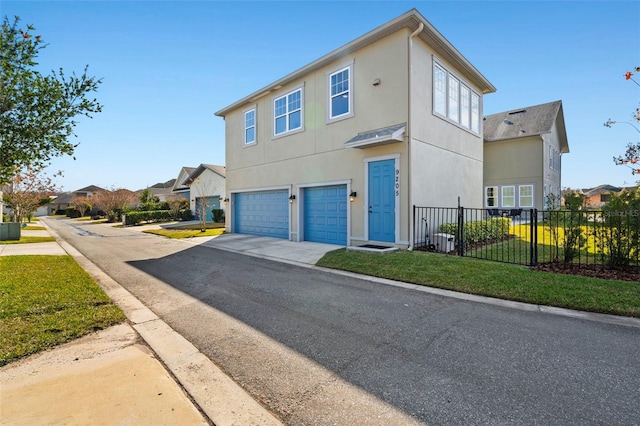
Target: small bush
pixel 186 214
pixel 218 215
pixel 72 213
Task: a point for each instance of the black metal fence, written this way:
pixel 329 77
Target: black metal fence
pixel 606 239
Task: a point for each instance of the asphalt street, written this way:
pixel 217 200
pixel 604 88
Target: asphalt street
pixel 321 348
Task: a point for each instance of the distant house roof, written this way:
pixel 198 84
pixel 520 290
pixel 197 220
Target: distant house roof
pixel 167 184
pixel 220 170
pixel 528 121
pixel 601 189
pixel 412 20
pixel 90 188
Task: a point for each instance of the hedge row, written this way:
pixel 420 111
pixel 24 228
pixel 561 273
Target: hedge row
pixel 135 217
pixel 495 228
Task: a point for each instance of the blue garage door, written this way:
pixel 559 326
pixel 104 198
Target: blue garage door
pixel 325 214
pixel 262 213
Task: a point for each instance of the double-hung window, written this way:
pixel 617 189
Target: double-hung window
pixel 526 195
pixel 508 196
pixel 340 93
pixel 250 127
pixel 288 112
pixel 455 100
pixel 491 196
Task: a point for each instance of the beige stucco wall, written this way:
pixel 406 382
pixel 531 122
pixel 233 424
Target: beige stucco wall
pixel 446 159
pixel 317 154
pixel 515 162
pixel 552 178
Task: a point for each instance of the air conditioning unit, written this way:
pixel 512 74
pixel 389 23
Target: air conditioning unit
pixel 444 242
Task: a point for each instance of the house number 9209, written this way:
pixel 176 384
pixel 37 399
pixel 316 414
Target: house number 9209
pixel 397 185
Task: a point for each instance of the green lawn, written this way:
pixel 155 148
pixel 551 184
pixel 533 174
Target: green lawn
pixel 494 279
pixel 189 231
pixel 46 301
pixel 27 240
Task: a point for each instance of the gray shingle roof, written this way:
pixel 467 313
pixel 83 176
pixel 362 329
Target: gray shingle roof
pixel 522 122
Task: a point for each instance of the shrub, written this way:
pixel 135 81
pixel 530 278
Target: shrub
pixel 186 214
pixel 72 212
pixel 218 215
pixel 480 231
pixel 135 217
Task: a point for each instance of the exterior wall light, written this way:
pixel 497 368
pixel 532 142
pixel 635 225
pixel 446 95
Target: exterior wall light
pixel 226 200
pixel 353 196
pixel 291 198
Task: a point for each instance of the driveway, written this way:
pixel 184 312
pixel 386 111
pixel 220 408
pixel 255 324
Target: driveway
pixel 322 348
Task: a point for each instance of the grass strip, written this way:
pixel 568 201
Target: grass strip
pixel 493 279
pixel 185 233
pixel 46 301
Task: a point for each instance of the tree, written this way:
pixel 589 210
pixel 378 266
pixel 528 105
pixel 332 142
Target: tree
pixel 177 203
pixel 113 202
pixel 27 191
pixel 38 112
pixel 631 157
pixel 147 197
pixel 82 204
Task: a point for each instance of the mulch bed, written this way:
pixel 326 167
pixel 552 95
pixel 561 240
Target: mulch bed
pixel 596 271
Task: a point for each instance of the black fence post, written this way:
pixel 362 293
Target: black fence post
pixel 460 236
pixel 533 238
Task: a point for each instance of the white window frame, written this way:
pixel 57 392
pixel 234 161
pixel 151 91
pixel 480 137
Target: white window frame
pixel 448 89
pixel 494 196
pixel 520 196
pixel 288 112
pixel 253 126
pixel 504 197
pixel 329 74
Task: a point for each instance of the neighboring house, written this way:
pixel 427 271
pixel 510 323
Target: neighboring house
pixel 599 196
pixel 179 186
pixel 207 188
pixel 341 150
pixel 63 200
pixel 163 190
pixel 523 156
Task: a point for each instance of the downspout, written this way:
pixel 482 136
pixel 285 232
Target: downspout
pixel 409 96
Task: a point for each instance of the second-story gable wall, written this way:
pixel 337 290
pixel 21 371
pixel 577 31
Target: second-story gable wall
pixel 374 106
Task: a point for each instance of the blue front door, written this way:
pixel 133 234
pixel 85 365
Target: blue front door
pixel 382 201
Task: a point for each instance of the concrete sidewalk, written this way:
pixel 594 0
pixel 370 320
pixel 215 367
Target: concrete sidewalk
pixel 138 372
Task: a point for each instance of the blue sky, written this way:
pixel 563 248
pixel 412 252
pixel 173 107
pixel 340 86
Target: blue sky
pixel 167 66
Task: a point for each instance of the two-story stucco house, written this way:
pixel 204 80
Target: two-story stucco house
pixel 523 157
pixel 341 149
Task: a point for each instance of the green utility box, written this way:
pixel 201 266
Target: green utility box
pixel 9 231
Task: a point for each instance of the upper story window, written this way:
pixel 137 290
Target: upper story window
pixel 340 93
pixel 250 127
pixel 455 100
pixel 287 112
